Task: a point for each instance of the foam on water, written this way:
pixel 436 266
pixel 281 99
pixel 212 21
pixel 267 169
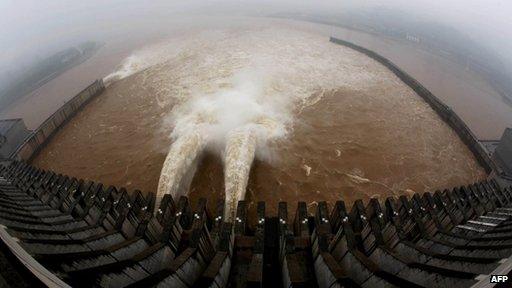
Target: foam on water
pixel 235 91
pixel 237 118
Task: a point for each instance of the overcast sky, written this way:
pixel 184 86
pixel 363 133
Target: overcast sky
pixel 32 28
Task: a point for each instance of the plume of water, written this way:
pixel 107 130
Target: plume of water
pixel 238 118
pixel 239 155
pixel 129 66
pixel 179 163
pixel 235 92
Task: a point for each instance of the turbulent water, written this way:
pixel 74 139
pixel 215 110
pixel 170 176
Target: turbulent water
pixel 271 109
pixel 240 149
pixel 179 163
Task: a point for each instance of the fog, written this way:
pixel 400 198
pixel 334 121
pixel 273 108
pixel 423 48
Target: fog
pixel 32 30
pixel 243 89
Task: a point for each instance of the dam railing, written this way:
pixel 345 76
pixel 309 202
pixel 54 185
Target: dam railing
pixel 72 232
pixel 40 137
pixel 443 110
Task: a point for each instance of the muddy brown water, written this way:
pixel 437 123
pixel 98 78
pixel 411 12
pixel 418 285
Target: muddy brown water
pixel 349 145
pixel 377 140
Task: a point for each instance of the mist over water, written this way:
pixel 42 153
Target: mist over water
pixel 240 92
pixel 37 29
pixel 237 118
pixel 267 111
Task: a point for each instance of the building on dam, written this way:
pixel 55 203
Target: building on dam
pixel 503 152
pixel 13 133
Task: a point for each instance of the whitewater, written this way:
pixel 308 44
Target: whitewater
pixel 235 92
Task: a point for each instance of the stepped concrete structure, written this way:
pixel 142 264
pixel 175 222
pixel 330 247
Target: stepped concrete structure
pixel 67 232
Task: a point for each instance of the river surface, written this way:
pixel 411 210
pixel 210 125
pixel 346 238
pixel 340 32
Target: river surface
pixel 481 107
pixel 336 124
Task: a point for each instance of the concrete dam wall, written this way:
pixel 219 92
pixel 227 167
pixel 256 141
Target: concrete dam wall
pixel 444 111
pixel 39 137
pixel 68 232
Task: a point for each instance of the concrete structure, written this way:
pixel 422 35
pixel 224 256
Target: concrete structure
pixel 490 145
pixel 503 153
pixel 454 238
pixel 444 111
pixel 13 133
pixel 33 144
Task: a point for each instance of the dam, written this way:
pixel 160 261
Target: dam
pixel 63 231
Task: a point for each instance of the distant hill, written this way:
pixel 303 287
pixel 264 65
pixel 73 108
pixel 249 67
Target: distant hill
pixel 45 70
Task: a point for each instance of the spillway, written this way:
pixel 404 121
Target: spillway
pixel 239 155
pixel 179 166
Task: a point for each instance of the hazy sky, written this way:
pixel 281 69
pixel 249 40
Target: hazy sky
pixel 31 28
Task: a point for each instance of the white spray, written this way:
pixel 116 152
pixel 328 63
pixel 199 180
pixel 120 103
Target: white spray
pixel 233 92
pixel 239 155
pixel 238 119
pixel 181 159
